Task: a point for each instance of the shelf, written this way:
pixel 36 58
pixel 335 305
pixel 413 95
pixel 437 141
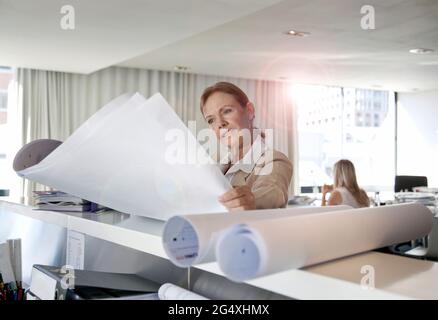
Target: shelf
pixel 139 233
pixel 397 277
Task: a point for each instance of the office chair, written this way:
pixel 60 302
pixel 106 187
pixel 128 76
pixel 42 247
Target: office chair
pixel 309 189
pixel 409 182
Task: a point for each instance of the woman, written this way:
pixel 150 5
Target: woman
pixel 260 176
pixel 345 189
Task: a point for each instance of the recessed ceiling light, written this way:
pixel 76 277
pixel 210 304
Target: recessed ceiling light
pixel 180 68
pixel 296 33
pixel 421 51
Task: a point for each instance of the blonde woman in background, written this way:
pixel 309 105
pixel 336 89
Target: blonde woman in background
pixel 345 189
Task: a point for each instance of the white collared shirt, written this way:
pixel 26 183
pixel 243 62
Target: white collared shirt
pixel 248 162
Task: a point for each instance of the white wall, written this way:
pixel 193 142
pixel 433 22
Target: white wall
pixel 418 135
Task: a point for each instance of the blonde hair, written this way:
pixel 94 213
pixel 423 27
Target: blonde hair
pixel 345 177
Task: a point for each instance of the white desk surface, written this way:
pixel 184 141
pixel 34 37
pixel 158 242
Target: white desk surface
pixel 395 277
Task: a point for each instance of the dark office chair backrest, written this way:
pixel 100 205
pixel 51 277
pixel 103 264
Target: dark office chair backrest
pixel 309 189
pixel 409 182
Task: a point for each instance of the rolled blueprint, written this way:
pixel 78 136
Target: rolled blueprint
pixel 191 239
pixel 119 158
pixel 267 246
pixel 170 291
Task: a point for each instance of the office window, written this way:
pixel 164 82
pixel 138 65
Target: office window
pixel 418 135
pixel 3 102
pixel 5 165
pixel 358 132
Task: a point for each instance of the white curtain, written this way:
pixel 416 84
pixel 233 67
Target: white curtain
pixel 54 104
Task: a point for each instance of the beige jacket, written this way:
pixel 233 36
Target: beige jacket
pixel 268 176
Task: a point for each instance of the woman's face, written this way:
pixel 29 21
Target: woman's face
pixel 226 116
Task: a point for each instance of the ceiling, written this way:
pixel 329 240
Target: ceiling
pixel 239 38
pixel 106 31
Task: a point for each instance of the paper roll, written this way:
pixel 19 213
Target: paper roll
pixel 170 291
pixel 267 246
pixel 118 158
pixel 190 239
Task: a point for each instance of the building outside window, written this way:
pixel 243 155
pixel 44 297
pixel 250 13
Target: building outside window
pixel 361 129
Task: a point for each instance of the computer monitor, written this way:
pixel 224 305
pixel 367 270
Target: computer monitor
pixel 407 183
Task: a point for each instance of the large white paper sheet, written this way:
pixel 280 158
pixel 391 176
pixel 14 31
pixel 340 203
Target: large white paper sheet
pixel 118 159
pixel 191 239
pixel 267 246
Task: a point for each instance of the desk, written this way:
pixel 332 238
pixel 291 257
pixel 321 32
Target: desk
pixel 123 239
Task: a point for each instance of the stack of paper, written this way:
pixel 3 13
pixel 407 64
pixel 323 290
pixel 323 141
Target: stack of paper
pixel 420 197
pixel 61 201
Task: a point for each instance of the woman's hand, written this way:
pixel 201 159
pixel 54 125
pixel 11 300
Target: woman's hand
pixel 327 188
pixel 238 199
